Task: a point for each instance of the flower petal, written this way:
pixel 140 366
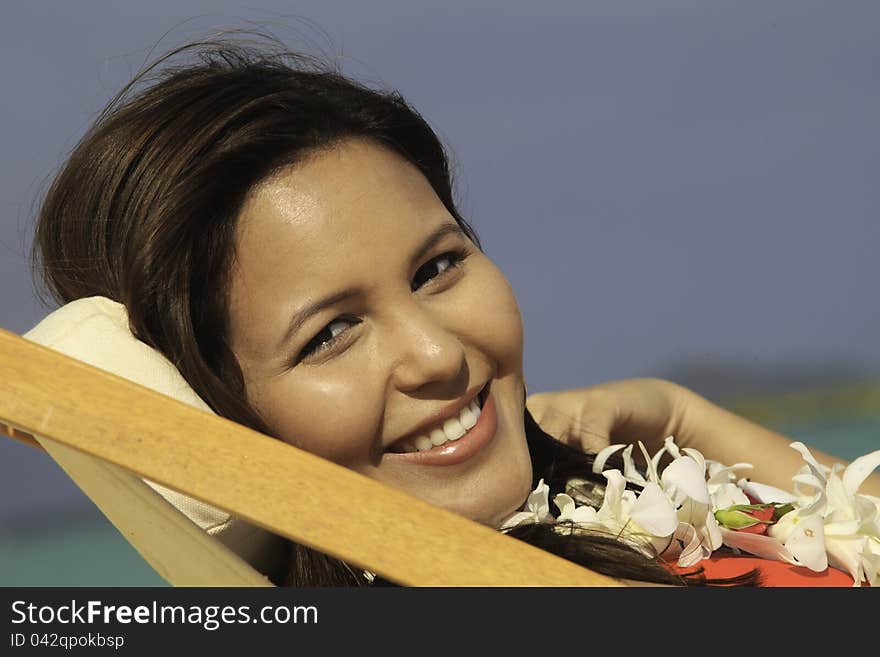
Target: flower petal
pixel 519 518
pixel 585 515
pixel 686 475
pixel 692 552
pixel 630 472
pixel 711 531
pixel 612 506
pixel 566 506
pixel 602 457
pixel 818 503
pixel 843 529
pixel 670 446
pixel 807 543
pixel 726 495
pixel 871 566
pixel 655 460
pixel 815 467
pixel 719 473
pixel 766 494
pixel 651 466
pixel 840 505
pixel 846 554
pixel 766 547
pixel 868 513
pixel 538 502
pixel 857 471
pixel 654 512
pixel 810 480
pixel 698 457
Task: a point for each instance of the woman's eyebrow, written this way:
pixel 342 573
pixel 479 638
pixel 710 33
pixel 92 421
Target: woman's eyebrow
pixel 433 238
pixel 301 315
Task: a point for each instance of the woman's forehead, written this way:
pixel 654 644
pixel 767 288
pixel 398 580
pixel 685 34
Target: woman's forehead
pixel 356 194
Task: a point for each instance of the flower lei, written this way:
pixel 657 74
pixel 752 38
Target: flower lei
pixel 695 505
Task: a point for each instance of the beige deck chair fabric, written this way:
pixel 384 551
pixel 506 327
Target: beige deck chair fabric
pixel 405 539
pixel 95 330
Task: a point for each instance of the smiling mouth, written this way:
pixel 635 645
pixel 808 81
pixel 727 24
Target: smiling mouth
pixel 444 432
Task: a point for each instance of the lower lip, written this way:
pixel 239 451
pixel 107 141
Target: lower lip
pixel 458 451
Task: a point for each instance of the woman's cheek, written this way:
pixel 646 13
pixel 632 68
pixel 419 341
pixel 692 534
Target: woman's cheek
pixel 497 319
pixel 332 419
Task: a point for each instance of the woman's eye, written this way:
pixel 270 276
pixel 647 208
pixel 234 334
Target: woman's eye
pixel 335 330
pixel 435 267
pixel 328 336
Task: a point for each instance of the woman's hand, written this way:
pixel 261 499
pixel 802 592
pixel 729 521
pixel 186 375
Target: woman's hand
pixel 617 412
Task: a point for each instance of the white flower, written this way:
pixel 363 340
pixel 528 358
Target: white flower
pixel 765 494
pixel 654 512
pixel 641 520
pixel 570 512
pixel 832 523
pixel 722 484
pixel 697 536
pixel 802 537
pixel 726 495
pixel 759 545
pixel 674 513
pixel 684 479
pixel 537 509
pixel 684 482
pixel 800 532
pixel 852 521
pixel 612 516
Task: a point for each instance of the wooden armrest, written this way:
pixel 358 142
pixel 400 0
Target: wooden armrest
pixel 290 492
pixel 21 436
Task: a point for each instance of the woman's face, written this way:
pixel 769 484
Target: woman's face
pixel 365 321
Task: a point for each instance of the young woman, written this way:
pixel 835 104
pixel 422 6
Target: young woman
pixel 288 239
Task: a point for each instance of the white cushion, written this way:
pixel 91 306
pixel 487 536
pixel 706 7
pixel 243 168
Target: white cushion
pixel 95 330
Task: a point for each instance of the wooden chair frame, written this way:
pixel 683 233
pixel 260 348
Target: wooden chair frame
pixel 108 433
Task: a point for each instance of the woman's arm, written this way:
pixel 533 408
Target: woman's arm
pixel 651 409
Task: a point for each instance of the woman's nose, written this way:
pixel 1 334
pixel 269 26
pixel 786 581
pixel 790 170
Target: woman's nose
pixel 427 352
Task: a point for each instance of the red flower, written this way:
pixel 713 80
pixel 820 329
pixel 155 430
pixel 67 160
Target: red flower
pixel 753 518
pixel 762 513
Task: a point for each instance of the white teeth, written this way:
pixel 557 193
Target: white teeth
pixel 467 417
pixel 452 429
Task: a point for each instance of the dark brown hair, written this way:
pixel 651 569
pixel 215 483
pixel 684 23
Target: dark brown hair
pixel 144 210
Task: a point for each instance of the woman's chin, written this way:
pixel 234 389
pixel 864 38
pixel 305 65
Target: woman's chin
pixel 492 508
pixel 487 517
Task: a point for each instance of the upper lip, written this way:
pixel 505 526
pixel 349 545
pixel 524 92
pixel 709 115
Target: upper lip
pixel 440 416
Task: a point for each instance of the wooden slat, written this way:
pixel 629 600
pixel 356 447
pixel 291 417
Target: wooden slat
pixel 21 436
pixel 267 482
pixel 176 548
